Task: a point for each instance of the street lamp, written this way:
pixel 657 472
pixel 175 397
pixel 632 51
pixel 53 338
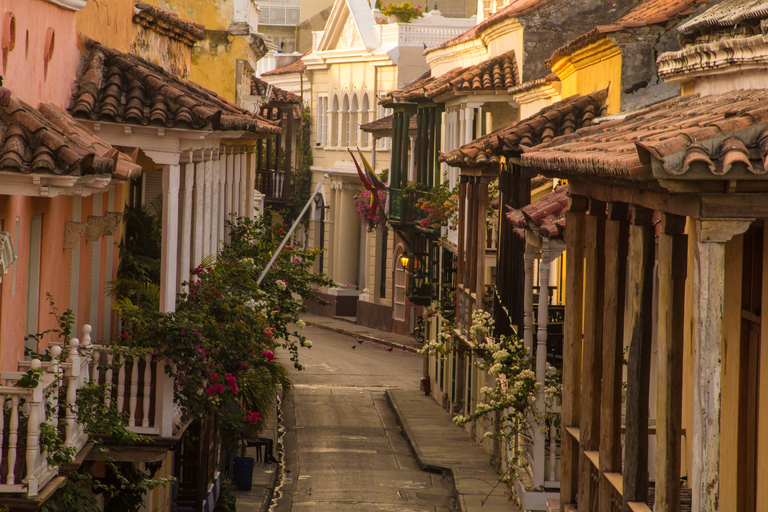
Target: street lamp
pixel 418 279
pixel 404 260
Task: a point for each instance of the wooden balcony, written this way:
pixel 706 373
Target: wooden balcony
pixel 271 184
pixel 139 388
pixel 403 210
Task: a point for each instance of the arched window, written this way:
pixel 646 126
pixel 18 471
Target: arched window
pixel 334 121
pixel 344 122
pixel 363 120
pixel 352 128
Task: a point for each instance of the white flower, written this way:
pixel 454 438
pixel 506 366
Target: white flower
pixel 306 343
pixel 495 369
pixel 301 324
pixel 248 261
pixel 500 355
pixel 280 284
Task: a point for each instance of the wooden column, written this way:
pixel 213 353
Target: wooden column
pixel 708 300
pixel 185 224
pixel 481 199
pixel 539 441
pixel 397 143
pixel 641 257
pixel 594 276
pixel 673 266
pixel 616 249
pixel 461 249
pixel 198 209
pixel 572 345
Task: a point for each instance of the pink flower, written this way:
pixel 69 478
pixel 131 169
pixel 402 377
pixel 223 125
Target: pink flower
pixel 269 356
pixel 213 377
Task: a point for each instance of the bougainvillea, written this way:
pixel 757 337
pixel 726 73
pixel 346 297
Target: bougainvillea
pixel 220 343
pixel 363 209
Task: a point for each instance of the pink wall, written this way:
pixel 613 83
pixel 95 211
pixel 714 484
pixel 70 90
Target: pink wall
pixel 24 68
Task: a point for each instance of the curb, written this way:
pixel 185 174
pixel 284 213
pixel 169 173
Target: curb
pixel 420 459
pixel 372 339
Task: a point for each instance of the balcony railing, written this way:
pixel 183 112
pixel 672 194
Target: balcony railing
pixel 139 388
pixel 403 208
pixel 270 183
pixel 413 34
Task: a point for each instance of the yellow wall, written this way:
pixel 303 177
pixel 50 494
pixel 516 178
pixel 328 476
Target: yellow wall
pixel 108 21
pixel 214 63
pixel 214 14
pixel 591 69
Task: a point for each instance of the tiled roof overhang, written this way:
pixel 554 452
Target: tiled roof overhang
pixel 547 215
pixel 728 13
pixel 650 12
pixel 382 127
pixel 123 88
pixel 47 143
pixel 167 22
pixel 561 118
pixel 296 66
pixel 689 140
pixel 499 73
pixel 277 95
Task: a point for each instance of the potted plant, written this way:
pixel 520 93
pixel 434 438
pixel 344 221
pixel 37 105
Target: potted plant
pixel 402 13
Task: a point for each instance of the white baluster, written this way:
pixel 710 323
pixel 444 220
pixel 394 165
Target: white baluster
pixel 85 342
pixel 108 377
pixel 86 335
pixel 121 386
pixel 134 392
pixel 96 360
pixel 55 369
pixel 147 386
pixel 73 372
pixel 13 440
pixel 35 403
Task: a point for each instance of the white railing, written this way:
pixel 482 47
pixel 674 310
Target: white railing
pixel 139 388
pixel 247 11
pixel 410 34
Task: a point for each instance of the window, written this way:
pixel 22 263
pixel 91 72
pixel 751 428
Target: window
pixel 280 12
pixel 334 117
pixel 353 128
pixel 344 121
pixel 385 142
pixel 364 137
pixel 322 120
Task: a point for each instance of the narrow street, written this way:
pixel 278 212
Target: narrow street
pixel 344 450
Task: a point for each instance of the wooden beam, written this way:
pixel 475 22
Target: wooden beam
pixel 672 268
pixel 685 205
pixel 641 256
pixel 572 345
pixel 594 278
pixel 616 252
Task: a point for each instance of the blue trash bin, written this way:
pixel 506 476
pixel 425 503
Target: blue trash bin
pixel 242 473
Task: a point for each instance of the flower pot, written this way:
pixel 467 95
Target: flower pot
pixel 242 474
pixel 393 18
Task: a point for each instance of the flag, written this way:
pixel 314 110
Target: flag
pixel 371 186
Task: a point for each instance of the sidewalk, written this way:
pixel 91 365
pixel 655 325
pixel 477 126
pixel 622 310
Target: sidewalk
pixel 345 326
pixel 438 444
pixel 441 446
pixel 264 475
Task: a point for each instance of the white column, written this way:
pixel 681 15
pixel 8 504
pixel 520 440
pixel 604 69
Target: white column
pixel 237 182
pixel 250 182
pixel 228 188
pixel 222 195
pixel 199 209
pixel 215 195
pixel 539 447
pixel 412 160
pixel 168 259
pixel 209 214
pixel 530 255
pixel 185 224
pixel 243 210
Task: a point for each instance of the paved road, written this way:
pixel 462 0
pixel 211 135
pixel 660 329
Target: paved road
pixel 344 450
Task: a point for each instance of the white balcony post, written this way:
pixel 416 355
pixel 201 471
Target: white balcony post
pixel 72 376
pixel 13 440
pixel 35 403
pixel 530 255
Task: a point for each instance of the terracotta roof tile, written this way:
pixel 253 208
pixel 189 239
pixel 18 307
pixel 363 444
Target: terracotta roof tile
pixel 555 120
pixel 691 137
pixel 547 215
pixel 497 73
pixel 648 12
pixel 49 141
pixel 413 91
pixel 294 67
pixel 516 8
pixel 124 88
pixel 167 22
pixel 259 88
pixel 382 127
